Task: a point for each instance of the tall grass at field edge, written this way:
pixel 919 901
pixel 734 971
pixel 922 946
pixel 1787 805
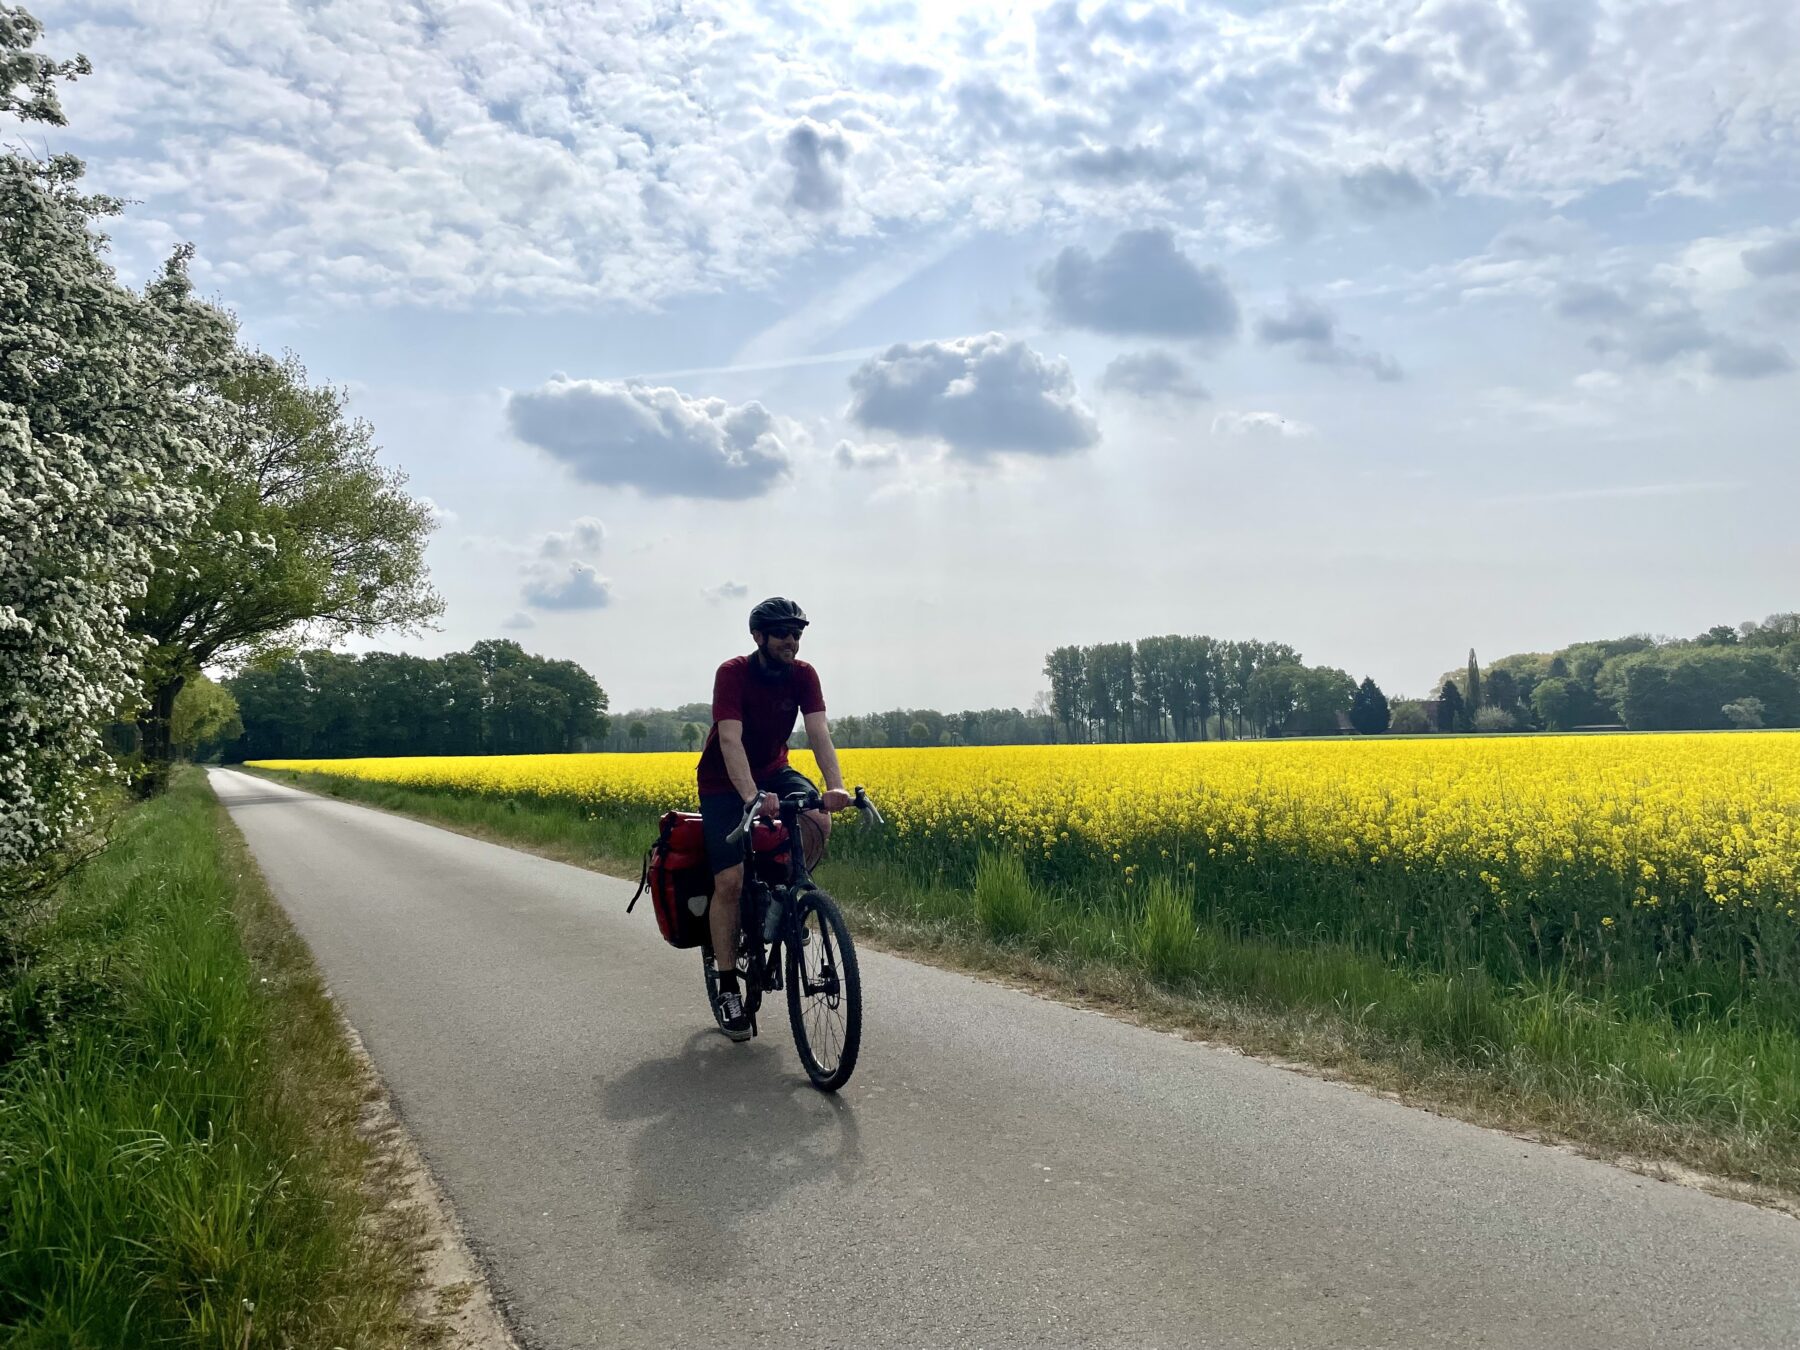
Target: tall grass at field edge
pixel 1605 1064
pixel 178 1159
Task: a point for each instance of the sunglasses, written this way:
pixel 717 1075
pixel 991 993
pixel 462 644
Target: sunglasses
pixel 795 633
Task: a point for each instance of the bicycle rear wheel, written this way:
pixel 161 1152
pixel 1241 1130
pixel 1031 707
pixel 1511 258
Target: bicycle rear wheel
pixel 824 990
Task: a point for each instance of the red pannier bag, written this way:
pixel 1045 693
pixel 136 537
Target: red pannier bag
pixel 679 878
pixel 676 873
pixel 768 847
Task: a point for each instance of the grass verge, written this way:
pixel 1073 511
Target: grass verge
pixel 1709 1099
pixel 179 1159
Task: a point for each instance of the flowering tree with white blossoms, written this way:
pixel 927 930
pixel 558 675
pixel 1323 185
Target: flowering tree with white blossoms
pixel 103 418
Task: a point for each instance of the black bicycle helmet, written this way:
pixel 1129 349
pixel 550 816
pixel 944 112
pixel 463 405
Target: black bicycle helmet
pixel 776 610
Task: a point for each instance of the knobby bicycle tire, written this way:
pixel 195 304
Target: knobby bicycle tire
pixel 838 956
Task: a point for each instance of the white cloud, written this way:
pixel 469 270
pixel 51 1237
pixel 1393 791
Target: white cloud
pixel 585 536
pixel 1311 329
pixel 1780 257
pixel 726 590
pixel 1143 284
pixel 566 154
pixel 1379 189
pixel 1260 426
pixel 653 438
pixel 980 396
pixel 1153 376
pixel 1657 323
pixel 850 455
pixel 816 154
pixel 578 586
pixel 518 621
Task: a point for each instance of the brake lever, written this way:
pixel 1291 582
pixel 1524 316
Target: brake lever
pixel 867 808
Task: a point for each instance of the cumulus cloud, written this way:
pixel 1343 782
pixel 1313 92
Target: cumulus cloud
pixel 1152 376
pixel 979 395
pixel 1652 325
pixel 569 154
pixel 518 620
pixel 1142 285
pixel 726 590
pixel 1587 300
pixel 653 438
pixel 578 586
pixel 1311 329
pixel 1380 189
pixel 814 153
pixel 1776 259
pixel 585 536
pixel 1259 426
pixel 1549 238
pixel 850 455
pixel 1116 164
pixel 1739 360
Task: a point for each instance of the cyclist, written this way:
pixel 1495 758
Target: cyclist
pixel 756 699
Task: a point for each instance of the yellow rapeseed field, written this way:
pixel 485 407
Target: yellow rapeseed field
pixel 1616 829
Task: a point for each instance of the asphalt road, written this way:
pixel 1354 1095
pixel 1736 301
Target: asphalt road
pixel 1003 1171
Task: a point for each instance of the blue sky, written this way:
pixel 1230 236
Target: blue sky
pixel 1383 329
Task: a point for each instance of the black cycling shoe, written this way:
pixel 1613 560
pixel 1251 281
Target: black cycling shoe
pixel 733 1020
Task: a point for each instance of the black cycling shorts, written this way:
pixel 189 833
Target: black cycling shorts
pixel 720 813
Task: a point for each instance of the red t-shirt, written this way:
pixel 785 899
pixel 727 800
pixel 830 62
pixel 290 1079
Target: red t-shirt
pixel 767 705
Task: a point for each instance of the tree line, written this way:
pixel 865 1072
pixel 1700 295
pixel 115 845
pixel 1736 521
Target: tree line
pixel 1199 688
pixel 1205 688
pixel 1728 677
pixel 1186 688
pixel 494 699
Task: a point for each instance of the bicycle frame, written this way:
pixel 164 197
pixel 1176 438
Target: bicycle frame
pixel 763 955
pixel 758 957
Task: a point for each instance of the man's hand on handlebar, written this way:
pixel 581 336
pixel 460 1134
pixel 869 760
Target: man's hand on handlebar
pixel 835 799
pixel 770 805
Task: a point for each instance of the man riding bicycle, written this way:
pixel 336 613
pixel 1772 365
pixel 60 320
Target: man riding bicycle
pixel 756 700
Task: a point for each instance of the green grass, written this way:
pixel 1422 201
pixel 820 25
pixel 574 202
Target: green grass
pixel 1005 904
pixel 1614 1066
pixel 178 1159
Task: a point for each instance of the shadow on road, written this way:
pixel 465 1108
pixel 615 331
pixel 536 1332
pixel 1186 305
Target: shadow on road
pixel 260 799
pixel 727 1131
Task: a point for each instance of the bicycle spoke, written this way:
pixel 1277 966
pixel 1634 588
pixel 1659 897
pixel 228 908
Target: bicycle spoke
pixel 824 1004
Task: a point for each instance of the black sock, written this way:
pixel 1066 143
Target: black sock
pixel 728 982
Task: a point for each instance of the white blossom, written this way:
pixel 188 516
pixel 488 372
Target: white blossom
pixel 100 428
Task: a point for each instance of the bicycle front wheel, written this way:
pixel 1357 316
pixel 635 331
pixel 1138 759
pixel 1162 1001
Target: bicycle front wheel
pixel 824 992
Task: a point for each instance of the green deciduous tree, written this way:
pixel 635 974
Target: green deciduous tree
pixel 309 538
pixel 1409 718
pixel 205 717
pixel 1555 701
pixel 1689 688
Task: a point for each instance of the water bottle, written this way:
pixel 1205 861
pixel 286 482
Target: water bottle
pixel 772 918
